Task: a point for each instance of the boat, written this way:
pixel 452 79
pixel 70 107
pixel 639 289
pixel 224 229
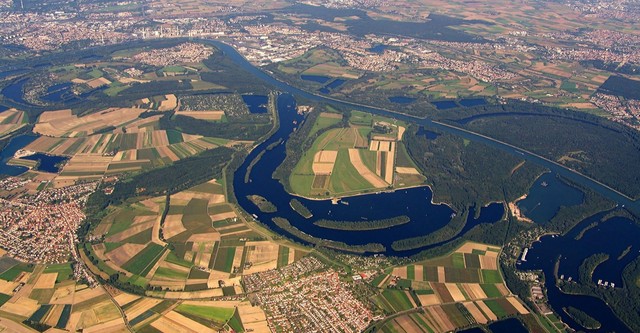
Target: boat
pixel 544 184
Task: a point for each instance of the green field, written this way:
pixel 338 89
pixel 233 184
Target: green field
pixel 142 262
pixel 167 273
pixel 397 299
pixel 224 259
pixel 497 308
pixel 64 271
pixel 491 290
pixel 344 179
pixel 323 122
pixel 283 256
pixel 15 271
pixel 215 314
pixel 491 276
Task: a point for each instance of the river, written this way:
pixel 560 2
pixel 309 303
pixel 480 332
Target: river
pixel 441 127
pixel 419 199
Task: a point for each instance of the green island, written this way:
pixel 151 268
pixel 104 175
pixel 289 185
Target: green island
pixel 263 204
pixel 588 265
pixel 363 225
pixel 582 318
pixel 286 225
pixel 300 208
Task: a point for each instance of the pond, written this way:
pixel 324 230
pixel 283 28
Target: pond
pixel 256 103
pixel 444 105
pixel 471 102
pixel 315 78
pixel 47 163
pixel 378 48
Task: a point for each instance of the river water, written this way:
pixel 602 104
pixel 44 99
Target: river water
pixel 542 256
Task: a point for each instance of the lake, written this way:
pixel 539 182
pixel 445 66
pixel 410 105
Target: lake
pixel 546 196
pixel 444 105
pixel 47 163
pixel 402 99
pixel 315 78
pixel 256 103
pixel 471 102
pixel 571 251
pixel 335 84
pixel 7 153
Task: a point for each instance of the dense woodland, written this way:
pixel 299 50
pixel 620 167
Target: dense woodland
pixel 464 173
pixel 234 130
pixel 604 150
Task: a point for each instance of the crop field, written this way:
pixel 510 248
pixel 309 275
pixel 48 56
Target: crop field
pixel 11 120
pixel 65 124
pixel 454 289
pixel 201 241
pixel 50 297
pixel 146 314
pixel 364 165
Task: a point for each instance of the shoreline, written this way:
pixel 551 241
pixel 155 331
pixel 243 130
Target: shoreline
pixel 515 210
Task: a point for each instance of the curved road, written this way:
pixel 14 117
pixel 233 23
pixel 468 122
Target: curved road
pixel 573 175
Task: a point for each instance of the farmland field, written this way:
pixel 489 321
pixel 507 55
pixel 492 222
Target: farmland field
pixel 453 288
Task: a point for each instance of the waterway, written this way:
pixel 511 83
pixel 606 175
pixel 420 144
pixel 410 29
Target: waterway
pixel 541 257
pixel 572 252
pixel 440 127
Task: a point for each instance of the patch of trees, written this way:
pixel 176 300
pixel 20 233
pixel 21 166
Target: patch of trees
pixel 465 173
pixel 300 208
pixel 106 129
pixel 236 162
pixel 614 67
pixel 140 90
pixel 582 318
pixel 448 232
pixel 262 203
pixel 233 130
pixel 286 225
pixel 600 149
pixel 363 225
pixel 588 265
pixel 226 73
